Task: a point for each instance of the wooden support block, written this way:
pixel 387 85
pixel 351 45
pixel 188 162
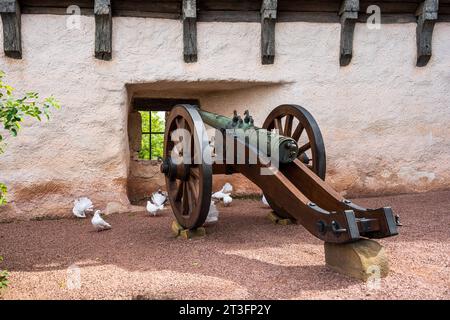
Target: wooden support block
pixel 176 228
pixel 179 231
pixel 196 233
pixel 278 220
pixel 189 17
pixel 362 260
pixel 11 19
pixel 273 217
pixel 284 222
pixel 103 29
pixel 268 21
pixel 427 14
pixel 348 15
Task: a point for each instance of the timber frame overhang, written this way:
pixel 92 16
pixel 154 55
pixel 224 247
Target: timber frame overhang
pixel 266 12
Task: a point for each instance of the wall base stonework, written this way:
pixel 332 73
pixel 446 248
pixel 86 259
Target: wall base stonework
pixel 384 121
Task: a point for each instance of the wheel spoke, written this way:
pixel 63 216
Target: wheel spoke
pixel 190 196
pixel 185 204
pixel 185 141
pixel 298 132
pixel 181 124
pixel 278 125
pixel 304 147
pixel 179 193
pixel 195 172
pixel 288 125
pixel 193 192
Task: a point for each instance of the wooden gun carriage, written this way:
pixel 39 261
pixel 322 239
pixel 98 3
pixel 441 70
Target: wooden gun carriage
pixel 295 188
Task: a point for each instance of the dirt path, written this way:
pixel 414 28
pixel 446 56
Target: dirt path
pixel 243 256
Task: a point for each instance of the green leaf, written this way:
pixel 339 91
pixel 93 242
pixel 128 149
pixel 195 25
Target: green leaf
pixel 14 110
pixel 3 192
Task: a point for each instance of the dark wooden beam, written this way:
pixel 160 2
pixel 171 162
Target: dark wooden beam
pixel 103 29
pixel 348 15
pixel 189 17
pixel 11 18
pixel 393 11
pixel 268 21
pixel 160 104
pixel 427 14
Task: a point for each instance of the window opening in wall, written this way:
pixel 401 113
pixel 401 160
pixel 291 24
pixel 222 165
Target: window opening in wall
pixel 152 141
pixel 153 114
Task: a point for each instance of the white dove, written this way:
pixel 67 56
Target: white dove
pixel 226 190
pixel 227 200
pixel 153 208
pixel 158 198
pixel 264 201
pixel 218 195
pixel 80 206
pixel 213 214
pixel 98 223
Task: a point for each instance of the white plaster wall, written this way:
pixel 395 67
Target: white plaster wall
pixel 384 121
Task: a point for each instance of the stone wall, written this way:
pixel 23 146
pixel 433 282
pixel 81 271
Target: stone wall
pixel 384 121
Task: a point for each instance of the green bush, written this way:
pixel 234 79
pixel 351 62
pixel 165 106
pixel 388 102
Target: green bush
pixel 14 110
pixel 4 275
pixel 2 194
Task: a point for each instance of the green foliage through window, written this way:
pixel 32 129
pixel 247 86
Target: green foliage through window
pixel 152 143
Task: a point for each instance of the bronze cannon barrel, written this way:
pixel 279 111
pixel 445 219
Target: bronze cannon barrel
pixel 269 143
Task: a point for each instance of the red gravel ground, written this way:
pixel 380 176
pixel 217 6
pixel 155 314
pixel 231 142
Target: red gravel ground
pixel 243 256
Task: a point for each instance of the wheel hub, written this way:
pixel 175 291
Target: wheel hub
pixel 174 171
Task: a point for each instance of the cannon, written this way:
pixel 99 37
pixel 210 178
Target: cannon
pixel 285 158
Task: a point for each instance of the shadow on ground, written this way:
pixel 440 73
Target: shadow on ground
pixel 244 249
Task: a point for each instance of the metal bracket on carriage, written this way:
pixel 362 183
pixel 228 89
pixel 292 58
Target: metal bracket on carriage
pixel 349 225
pixel 375 223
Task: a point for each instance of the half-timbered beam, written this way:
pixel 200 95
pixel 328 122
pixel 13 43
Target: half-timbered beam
pixel 189 17
pixel 268 20
pixel 348 15
pixel 12 38
pixel 103 29
pixel 427 14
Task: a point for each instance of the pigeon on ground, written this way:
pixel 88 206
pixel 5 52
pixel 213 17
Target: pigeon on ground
pixel 213 214
pixel 227 200
pixel 218 195
pixel 226 190
pixel 98 223
pixel 153 208
pixel 264 201
pixel 158 198
pixel 81 206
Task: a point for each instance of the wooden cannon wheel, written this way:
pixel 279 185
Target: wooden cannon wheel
pixel 296 122
pixel 189 182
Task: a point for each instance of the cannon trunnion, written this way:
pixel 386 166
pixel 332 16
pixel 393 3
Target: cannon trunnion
pixel 285 158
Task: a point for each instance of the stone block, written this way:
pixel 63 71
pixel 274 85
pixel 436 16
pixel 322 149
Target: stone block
pixel 362 260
